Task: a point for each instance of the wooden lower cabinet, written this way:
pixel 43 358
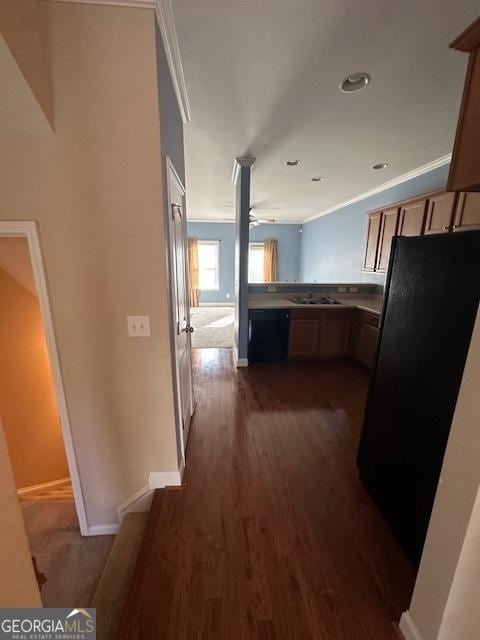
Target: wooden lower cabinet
pixel 304 336
pixel 364 338
pixel 337 333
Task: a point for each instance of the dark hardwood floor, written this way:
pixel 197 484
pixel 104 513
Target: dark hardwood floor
pixel 273 536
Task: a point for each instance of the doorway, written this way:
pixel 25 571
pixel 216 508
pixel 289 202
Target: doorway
pixel 36 427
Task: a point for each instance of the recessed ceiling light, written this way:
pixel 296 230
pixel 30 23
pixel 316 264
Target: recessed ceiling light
pixel 318 178
pixel 355 82
pixel 293 163
pixel 380 165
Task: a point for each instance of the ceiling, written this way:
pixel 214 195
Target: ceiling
pixel 15 260
pixel 262 80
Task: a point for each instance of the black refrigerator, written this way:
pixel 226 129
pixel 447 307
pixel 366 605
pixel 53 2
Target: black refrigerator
pixel 431 300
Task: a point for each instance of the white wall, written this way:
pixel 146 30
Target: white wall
pixel 95 188
pixel 454 503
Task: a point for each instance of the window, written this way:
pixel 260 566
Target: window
pixel 256 269
pixel 208 265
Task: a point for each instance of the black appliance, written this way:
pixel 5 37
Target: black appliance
pixel 268 335
pixel 431 299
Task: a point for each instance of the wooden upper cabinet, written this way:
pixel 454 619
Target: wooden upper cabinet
pixel 465 165
pixel 388 229
pixel 440 213
pixel 412 218
pixel 373 233
pixel 467 212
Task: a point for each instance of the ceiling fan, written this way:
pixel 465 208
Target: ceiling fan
pixel 253 219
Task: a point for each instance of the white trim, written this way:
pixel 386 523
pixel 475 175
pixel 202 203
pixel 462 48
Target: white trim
pixel 141 500
pixel 162 479
pixel 408 627
pixel 430 166
pixel 232 221
pixel 29 231
pixel 216 304
pixel 104 529
pixel 166 22
pixel 41 486
pixel 238 362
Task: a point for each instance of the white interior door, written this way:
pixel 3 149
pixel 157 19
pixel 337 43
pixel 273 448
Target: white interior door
pixel 180 301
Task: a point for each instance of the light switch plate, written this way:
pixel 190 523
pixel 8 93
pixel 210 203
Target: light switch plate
pixel 341 289
pixel 138 326
pixel 353 289
pixel 271 289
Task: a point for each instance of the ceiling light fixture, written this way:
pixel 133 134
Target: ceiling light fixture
pixel 293 163
pixel 380 165
pixel 355 82
pixel 318 179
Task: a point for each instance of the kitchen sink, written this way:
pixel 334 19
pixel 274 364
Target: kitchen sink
pixel 307 300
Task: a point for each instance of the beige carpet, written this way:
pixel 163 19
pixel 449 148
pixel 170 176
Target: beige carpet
pixel 114 584
pixel 213 327
pixel 72 564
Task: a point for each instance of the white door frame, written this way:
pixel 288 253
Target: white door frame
pixel 29 230
pixel 171 172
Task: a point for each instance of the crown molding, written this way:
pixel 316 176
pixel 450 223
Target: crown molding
pixel 217 221
pixel 166 23
pixel 419 171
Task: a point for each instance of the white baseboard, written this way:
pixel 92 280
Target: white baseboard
pixel 238 362
pixel 43 485
pixel 408 627
pixel 142 499
pixel 216 304
pixel 104 529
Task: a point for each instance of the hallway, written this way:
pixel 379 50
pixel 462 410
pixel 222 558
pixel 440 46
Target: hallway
pixel 272 536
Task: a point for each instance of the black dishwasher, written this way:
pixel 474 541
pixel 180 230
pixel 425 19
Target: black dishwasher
pixel 267 335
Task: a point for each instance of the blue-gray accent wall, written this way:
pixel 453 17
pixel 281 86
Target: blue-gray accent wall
pixel 333 246
pixel 288 236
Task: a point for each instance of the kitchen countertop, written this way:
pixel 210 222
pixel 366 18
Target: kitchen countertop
pixel 372 303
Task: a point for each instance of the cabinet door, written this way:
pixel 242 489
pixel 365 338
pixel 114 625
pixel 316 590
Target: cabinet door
pixel 467 213
pixel 374 221
pixel 412 218
pixel 367 344
pixel 335 337
pixel 465 164
pixel 387 230
pixel 440 213
pixel 304 335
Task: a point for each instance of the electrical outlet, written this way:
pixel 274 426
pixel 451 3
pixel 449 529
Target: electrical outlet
pixel 228 296
pixel 271 289
pixel 341 289
pixel 353 289
pixel 138 326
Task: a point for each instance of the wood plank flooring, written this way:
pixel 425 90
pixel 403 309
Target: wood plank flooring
pixel 273 536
